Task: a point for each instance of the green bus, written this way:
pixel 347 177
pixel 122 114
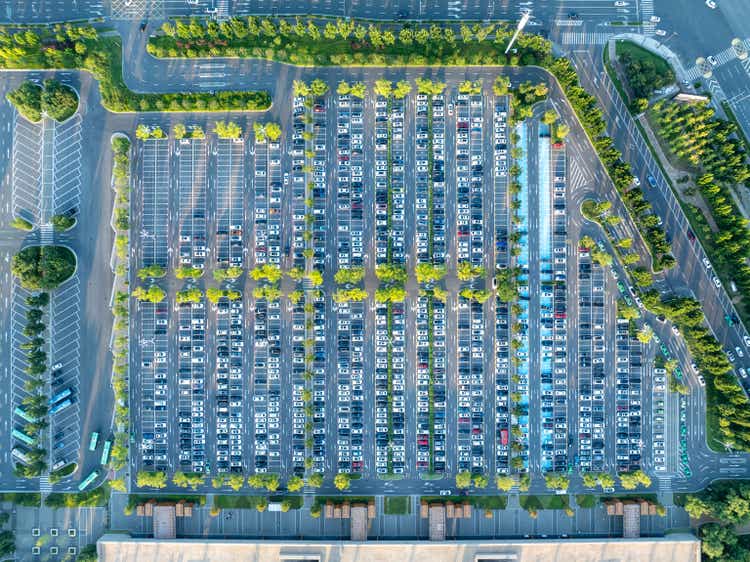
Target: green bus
pixel 94 441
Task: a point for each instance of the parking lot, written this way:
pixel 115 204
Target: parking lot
pixel 372 187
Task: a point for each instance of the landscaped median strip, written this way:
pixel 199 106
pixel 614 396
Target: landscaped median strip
pixel 84 49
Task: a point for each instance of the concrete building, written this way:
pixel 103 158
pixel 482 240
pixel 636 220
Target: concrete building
pixel 122 548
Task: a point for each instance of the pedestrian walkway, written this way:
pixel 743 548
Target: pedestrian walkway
pixel 47 233
pixel 44 486
pixel 665 484
pixel 647 10
pixel 585 37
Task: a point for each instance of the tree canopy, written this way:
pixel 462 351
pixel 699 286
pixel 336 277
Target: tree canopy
pixel 43 267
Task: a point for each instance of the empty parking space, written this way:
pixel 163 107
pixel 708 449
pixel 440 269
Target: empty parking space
pixel 230 170
pixel 67 166
pixel 27 173
pixel 65 304
pixel 192 185
pixel 154 239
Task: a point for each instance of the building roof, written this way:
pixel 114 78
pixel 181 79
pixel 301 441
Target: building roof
pixel 672 548
pixel 164 522
pixel 358 523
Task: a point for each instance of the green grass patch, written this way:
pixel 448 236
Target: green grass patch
pixel 135 499
pixel 33 499
pixel 644 70
pixel 390 476
pixel 534 503
pixel 238 501
pixel 587 500
pixel 634 496
pixel 397 505
pixel 295 502
pixel 92 498
pixel 431 476
pixel 489 502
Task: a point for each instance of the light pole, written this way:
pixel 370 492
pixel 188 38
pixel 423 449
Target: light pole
pixel 521 24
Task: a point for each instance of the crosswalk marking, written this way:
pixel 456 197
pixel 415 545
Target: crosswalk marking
pixel 47 233
pixel 647 10
pixel 578 177
pixel 585 38
pixel 44 486
pixel 665 483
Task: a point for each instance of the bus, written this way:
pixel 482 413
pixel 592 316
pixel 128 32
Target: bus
pixel 60 406
pixel 20 455
pixel 21 436
pixel 94 441
pixel 20 412
pixel 89 479
pixel 62 395
pixel 105 452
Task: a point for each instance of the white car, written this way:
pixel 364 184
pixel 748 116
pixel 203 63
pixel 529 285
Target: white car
pixel 712 59
pixel 739 351
pixel 620 4
pixel 660 32
pixel 746 339
pixel 701 380
pixel 636 181
pixel 706 263
pixel 716 282
pixel 711 4
pixel 655 19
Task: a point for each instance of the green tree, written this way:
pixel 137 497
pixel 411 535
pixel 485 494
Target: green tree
pixel 318 87
pixel 645 334
pixel 501 86
pixel 383 87
pixel 342 481
pixel 696 507
pixel 315 480
pixel 179 131
pixel 43 267
pixel 295 484
pixel 556 481
pixel 227 130
pixel 590 479
pixel 463 479
pixel 550 116
pixel 146 479
pixel 27 99
pixel 504 483
pixel 62 223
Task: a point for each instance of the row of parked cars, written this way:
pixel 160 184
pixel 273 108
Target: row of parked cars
pixel 154 388
pixel 230 394
pixel 470 248
pixel 555 434
pixel 350 315
pixel 268 186
pixel 430 321
pixel 191 384
pixel 591 353
pixel 502 308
